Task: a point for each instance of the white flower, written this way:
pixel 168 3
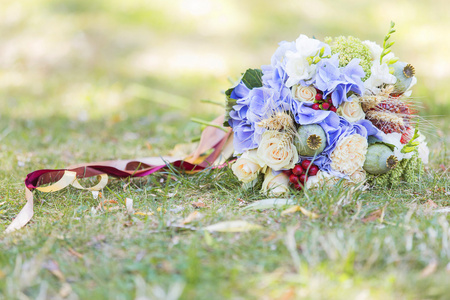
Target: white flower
pixel 394 139
pixel 351 111
pixel 375 52
pixel 304 93
pixel 422 148
pixel 349 154
pixel 247 167
pixel 276 185
pixel 277 151
pixel 297 66
pixel 379 75
pixel 321 179
pixel 358 176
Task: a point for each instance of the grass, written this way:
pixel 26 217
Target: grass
pixel 84 81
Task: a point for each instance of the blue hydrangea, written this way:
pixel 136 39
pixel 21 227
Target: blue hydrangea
pixel 251 107
pixel 338 82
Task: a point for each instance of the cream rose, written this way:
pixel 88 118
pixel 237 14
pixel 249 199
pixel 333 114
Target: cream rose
pixel 277 151
pixel 321 179
pixel 247 167
pixel 358 176
pixel 351 111
pixel 275 185
pixel 303 93
pixel 349 154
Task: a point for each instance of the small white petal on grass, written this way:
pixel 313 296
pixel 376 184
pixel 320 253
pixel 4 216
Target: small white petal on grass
pixel 129 205
pixel 269 203
pixel 233 226
pixel 95 194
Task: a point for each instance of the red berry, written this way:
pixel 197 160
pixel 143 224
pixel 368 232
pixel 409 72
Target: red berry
pixel 303 178
pixel 319 96
pixel 298 187
pixel 316 106
pixel 297 170
pixel 287 172
pixel 305 164
pixel 293 178
pixel 333 109
pixel 313 169
pixel 325 106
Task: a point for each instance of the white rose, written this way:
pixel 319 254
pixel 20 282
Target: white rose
pixel 358 176
pixel 277 151
pixel 276 185
pixel 321 179
pixel 247 167
pixel 304 93
pixel 349 154
pixel 351 111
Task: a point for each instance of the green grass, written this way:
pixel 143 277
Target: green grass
pixel 84 81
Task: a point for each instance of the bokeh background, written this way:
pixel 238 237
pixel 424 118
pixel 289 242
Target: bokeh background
pixel 100 79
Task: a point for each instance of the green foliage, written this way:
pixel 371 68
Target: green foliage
pixel 252 78
pixel 387 46
pixel 350 48
pixel 408 170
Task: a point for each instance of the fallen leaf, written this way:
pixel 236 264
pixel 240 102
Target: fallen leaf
pixel 233 226
pixel 199 204
pixel 431 203
pixel 192 217
pixel 304 211
pixel 269 203
pixel 269 238
pixel 443 167
pixel 103 204
pixel 140 213
pixel 290 210
pixel 2 203
pixel 375 215
pixel 430 269
pixel 53 267
pixel 75 253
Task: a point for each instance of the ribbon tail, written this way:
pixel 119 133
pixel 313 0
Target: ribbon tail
pixel 24 215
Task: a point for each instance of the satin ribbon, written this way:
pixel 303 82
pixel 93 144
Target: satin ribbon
pixel 212 138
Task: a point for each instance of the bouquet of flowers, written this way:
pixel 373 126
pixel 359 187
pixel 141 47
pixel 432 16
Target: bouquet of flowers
pixel 323 112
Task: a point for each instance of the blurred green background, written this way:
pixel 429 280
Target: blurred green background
pixel 121 71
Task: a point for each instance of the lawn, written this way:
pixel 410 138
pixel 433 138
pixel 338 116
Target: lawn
pixel 84 81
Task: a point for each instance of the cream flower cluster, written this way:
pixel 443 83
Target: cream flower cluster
pixel 349 154
pixel 275 152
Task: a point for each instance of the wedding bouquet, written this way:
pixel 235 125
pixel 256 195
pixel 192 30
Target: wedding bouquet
pixel 323 112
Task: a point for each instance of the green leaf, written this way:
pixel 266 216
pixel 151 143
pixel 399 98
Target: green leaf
pixel 252 78
pixel 228 106
pixel 373 140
